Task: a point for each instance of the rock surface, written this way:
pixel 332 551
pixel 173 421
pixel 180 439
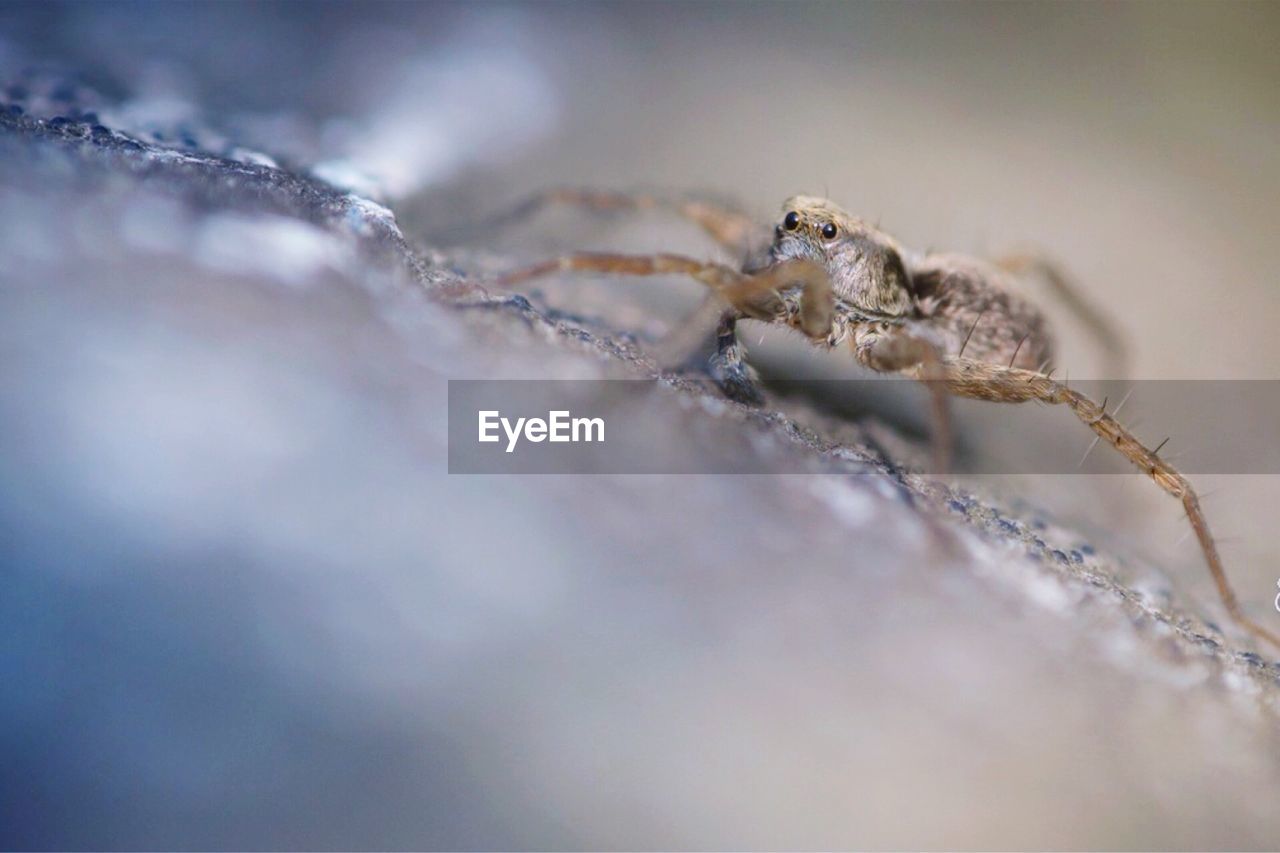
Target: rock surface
pixel 246 606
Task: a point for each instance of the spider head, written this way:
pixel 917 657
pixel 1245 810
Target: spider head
pixel 809 223
pixel 865 265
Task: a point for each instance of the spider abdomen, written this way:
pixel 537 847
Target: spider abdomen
pixel 973 306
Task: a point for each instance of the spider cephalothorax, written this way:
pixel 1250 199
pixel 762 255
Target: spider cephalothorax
pixel 864 264
pixel 954 322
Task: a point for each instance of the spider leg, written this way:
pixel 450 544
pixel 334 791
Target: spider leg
pixel 1029 263
pixel 983 381
pixel 706 341
pixel 895 350
pixel 756 295
pixel 728 365
pixel 732 229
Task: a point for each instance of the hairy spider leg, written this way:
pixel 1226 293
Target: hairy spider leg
pixel 892 349
pixel 735 231
pixel 756 295
pixel 997 383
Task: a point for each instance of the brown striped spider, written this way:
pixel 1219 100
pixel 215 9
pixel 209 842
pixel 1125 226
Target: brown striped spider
pixel 952 322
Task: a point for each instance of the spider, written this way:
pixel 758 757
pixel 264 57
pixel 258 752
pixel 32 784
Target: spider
pixel 950 321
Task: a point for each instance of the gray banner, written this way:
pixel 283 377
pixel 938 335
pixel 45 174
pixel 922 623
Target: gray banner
pixel 651 427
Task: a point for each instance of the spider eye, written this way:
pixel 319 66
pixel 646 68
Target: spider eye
pixel 791 221
pixel 829 231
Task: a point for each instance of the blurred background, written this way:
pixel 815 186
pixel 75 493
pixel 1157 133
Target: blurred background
pixel 245 607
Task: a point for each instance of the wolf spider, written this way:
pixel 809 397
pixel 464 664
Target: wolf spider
pixel 950 321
